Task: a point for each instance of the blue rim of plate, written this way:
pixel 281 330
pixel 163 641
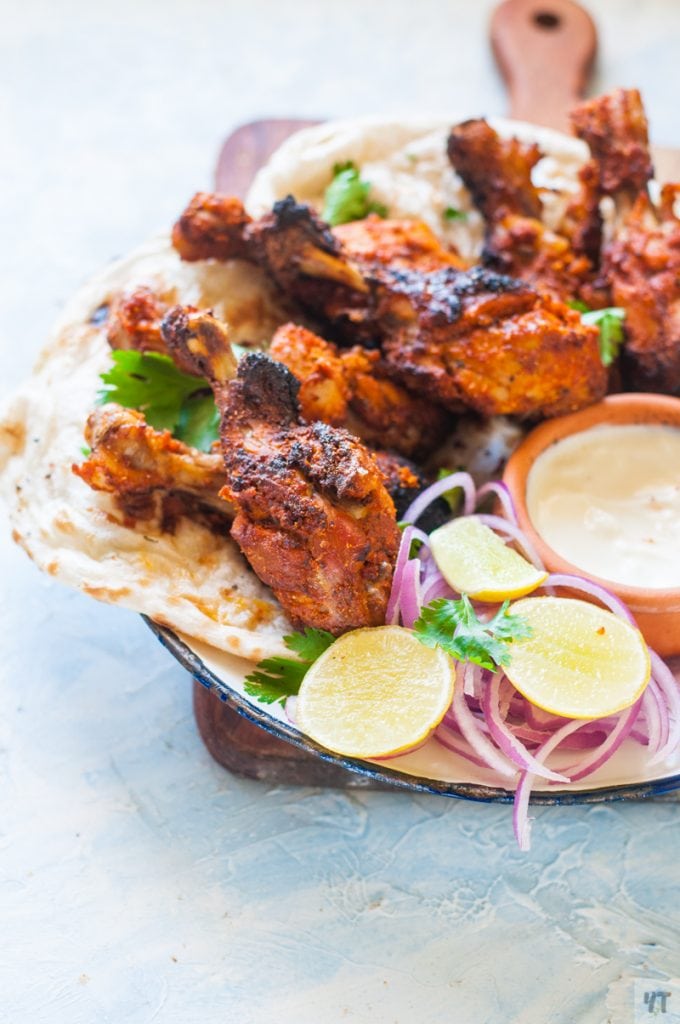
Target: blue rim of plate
pixel 398 780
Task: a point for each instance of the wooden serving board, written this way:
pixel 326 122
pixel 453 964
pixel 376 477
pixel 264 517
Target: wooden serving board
pixel 545 52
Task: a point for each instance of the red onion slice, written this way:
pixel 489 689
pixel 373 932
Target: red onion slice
pixel 449 740
pixel 502 492
pixel 409 597
pixel 469 727
pixel 521 822
pixel 392 613
pixel 464 480
pixel 669 688
pixel 505 739
pixel 606 750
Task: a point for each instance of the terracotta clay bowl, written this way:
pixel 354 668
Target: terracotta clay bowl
pixel 657 611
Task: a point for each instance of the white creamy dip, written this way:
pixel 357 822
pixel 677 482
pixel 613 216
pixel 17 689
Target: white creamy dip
pixel 608 501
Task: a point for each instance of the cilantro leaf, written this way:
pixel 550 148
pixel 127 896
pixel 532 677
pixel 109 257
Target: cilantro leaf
pixel 454 496
pixel 310 644
pixel 610 322
pixel 199 422
pixel 451 213
pixel 346 198
pixel 170 400
pixel 275 679
pixel 454 626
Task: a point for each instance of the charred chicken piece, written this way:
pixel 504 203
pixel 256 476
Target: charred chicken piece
pixel 641 263
pixel 134 322
pixel 398 244
pixel 213 226
pixel 498 174
pixel 350 388
pixel 614 126
pixel 493 344
pixel 149 471
pixel 642 266
pixel 313 516
pixel 460 338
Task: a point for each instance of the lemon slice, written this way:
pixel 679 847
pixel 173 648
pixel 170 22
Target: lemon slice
pixel 375 692
pixel 475 561
pixel 580 662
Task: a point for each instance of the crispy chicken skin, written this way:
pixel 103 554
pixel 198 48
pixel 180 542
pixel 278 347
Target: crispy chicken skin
pixel 137 463
pixel 497 173
pixel 400 244
pixel 641 263
pixel 614 127
pixel 212 227
pixel 495 345
pixel 349 388
pixel 313 516
pixel 442 329
pixel 134 320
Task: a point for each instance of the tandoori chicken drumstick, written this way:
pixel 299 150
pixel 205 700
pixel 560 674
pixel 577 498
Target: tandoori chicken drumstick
pixel 313 517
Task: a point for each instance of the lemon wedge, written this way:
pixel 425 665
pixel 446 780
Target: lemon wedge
pixel 580 662
pixel 375 692
pixel 475 561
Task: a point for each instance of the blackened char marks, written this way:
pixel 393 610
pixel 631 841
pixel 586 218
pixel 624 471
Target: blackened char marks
pixel 269 389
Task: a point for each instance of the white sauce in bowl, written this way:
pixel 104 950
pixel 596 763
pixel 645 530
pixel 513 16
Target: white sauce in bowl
pixel 608 501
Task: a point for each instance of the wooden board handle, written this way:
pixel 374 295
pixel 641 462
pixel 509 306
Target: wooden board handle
pixel 545 50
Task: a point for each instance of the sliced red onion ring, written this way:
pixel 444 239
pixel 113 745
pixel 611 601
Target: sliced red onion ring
pixel 616 606
pixel 501 525
pixel 670 691
pixel 435 589
pixel 464 480
pixel 502 492
pixel 449 740
pixel 409 598
pixel 521 822
pixel 606 750
pixel 392 613
pixel 505 739
pixel 652 713
pixel 290 708
pixel 537 718
pixel 469 727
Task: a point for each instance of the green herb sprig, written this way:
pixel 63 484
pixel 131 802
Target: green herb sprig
pixel 346 198
pixel 170 400
pixel 455 626
pixel 275 679
pixel 610 323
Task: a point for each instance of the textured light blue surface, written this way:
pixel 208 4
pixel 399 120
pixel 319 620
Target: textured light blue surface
pixel 139 882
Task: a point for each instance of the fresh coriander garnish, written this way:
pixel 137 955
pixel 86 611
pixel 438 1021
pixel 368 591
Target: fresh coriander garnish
pixel 454 626
pixel 610 323
pixel 578 305
pixel 275 679
pixel 346 198
pixel 451 213
pixel 454 496
pixel 170 400
pixel 86 451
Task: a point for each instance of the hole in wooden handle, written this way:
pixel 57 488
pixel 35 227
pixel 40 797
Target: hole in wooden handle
pixel 546 20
